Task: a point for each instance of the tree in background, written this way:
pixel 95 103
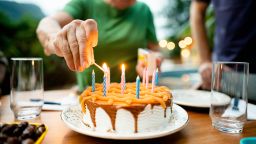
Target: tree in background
pixel 18 39
pixel 177 12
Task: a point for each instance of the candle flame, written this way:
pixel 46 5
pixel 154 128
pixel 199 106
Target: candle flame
pixel 105 67
pixel 123 68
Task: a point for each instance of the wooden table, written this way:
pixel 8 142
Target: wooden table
pixel 198 130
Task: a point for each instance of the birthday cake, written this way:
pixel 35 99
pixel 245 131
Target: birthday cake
pixel 124 112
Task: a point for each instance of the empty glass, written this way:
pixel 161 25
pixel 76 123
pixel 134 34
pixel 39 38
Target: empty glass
pixel 228 109
pixel 27 87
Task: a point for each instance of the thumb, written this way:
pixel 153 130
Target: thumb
pixel 91 29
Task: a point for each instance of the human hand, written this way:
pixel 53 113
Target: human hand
pixel 205 71
pixel 75 42
pixel 141 66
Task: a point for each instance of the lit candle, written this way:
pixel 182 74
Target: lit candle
pixel 93 81
pixel 105 68
pixel 123 79
pixel 104 85
pixel 153 82
pixel 147 78
pixel 157 76
pixel 144 77
pixel 138 87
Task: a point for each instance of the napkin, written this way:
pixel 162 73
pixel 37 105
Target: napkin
pixel 251 111
pixel 67 101
pixel 231 112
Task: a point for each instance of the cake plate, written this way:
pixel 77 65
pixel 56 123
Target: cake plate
pixel 72 117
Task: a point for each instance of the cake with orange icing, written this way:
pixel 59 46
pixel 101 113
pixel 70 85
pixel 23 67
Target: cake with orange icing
pixel 124 113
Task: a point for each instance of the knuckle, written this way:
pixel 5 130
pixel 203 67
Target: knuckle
pixel 74 46
pixel 65 50
pixel 90 23
pixel 60 34
pixel 76 22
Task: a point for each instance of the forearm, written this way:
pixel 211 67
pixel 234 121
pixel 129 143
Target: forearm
pixel 47 27
pixel 198 29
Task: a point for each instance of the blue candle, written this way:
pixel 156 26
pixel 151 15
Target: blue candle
pixel 156 77
pixel 93 81
pixel 104 85
pixel 138 87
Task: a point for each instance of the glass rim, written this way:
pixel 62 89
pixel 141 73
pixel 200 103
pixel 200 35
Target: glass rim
pixel 27 59
pixel 230 62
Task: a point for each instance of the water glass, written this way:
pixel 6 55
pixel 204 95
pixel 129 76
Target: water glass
pixel 228 109
pixel 27 87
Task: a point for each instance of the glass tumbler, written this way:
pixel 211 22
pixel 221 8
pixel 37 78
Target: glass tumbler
pixel 228 109
pixel 27 87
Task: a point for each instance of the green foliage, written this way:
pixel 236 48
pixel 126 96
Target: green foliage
pixel 185 29
pixel 177 12
pixel 19 39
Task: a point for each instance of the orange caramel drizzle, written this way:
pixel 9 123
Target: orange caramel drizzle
pixel 115 100
pixel 114 97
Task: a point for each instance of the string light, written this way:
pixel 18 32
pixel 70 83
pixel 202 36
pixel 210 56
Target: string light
pixel 170 45
pixel 185 53
pixel 162 43
pixel 188 40
pixel 182 44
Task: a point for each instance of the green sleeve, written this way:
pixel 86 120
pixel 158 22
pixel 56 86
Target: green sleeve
pixel 76 8
pixel 150 31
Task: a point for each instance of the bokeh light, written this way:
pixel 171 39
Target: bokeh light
pixel 188 40
pixel 170 45
pixel 162 43
pixel 185 53
pixel 182 44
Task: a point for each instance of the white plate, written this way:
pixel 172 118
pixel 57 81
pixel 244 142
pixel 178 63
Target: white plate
pixel 197 98
pixel 72 117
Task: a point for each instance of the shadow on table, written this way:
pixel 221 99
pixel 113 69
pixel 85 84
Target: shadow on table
pixel 176 137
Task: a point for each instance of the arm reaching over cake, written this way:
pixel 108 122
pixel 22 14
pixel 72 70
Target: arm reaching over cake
pixel 72 39
pixel 141 66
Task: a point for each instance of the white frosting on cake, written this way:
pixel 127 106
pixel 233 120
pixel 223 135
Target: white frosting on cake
pixel 150 119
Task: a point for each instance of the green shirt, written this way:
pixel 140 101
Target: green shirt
pixel 121 33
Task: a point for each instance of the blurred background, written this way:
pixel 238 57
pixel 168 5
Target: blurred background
pixel 19 19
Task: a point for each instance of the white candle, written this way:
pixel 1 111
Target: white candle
pixel 153 82
pixel 144 77
pixel 147 78
pixel 123 79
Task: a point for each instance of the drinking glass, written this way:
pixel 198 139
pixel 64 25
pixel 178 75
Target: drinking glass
pixel 27 87
pixel 228 109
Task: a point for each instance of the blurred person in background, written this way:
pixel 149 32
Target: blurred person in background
pixel 235 36
pixel 117 28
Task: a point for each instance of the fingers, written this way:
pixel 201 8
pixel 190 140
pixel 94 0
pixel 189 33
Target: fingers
pixel 83 55
pixel 90 26
pixel 205 71
pixel 87 35
pixel 73 44
pixel 139 70
pixel 65 50
pixel 159 62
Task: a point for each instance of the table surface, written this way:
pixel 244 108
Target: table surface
pixel 198 130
